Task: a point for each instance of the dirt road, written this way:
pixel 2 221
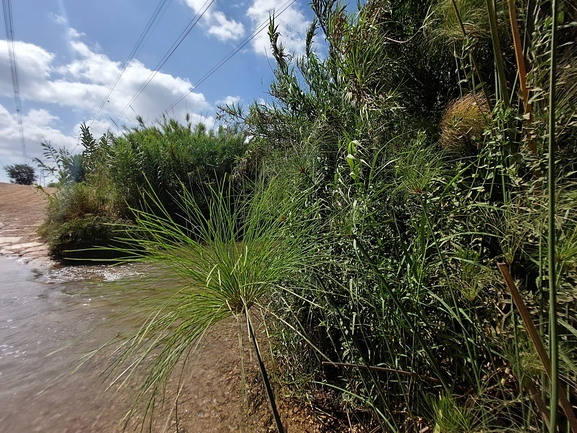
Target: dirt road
pixel 22 210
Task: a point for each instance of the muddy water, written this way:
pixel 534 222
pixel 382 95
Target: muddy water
pixel 47 322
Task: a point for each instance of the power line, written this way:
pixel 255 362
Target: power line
pixel 170 52
pixel 157 14
pixel 225 59
pixel 9 25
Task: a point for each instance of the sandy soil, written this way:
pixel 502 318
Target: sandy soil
pixel 211 398
pixel 22 210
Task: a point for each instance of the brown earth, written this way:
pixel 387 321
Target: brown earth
pixel 210 399
pixel 22 210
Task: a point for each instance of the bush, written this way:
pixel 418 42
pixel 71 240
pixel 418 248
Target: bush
pixel 117 171
pixel 163 160
pixel 81 216
pixel 21 174
pixel 77 240
pixel 76 200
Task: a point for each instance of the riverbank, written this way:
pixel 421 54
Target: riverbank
pixel 210 397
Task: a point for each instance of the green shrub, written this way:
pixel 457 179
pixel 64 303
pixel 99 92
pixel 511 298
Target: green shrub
pixel 21 174
pixel 163 160
pixel 77 240
pixel 81 216
pixel 73 201
pixel 119 171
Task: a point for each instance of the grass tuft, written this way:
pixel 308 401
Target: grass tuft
pixel 221 264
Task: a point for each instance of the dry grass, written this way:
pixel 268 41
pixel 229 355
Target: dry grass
pixel 463 124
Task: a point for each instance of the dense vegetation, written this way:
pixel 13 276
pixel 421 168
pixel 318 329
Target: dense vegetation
pixel 101 188
pixel 417 167
pixel 424 134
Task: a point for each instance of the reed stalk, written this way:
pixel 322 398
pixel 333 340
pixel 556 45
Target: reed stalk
pixel 552 259
pixel 541 351
pixel 522 72
pixel 498 54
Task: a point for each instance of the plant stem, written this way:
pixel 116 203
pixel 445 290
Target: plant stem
pixel 265 378
pixel 539 347
pixel 522 70
pixel 498 53
pixel 551 235
pixel 385 369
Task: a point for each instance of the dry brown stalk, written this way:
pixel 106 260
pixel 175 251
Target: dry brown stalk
pixel 534 335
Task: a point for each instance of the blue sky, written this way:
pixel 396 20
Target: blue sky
pixel 70 52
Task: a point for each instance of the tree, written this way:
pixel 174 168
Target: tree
pixel 22 174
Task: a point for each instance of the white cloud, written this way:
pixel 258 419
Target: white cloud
pixel 225 29
pixel 33 65
pixel 73 33
pixel 58 19
pixel 292 25
pixel 229 100
pixel 218 24
pixel 38 126
pixel 83 83
pixel 81 86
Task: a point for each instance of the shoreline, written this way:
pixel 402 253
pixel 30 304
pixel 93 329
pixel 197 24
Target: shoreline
pixel 212 397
